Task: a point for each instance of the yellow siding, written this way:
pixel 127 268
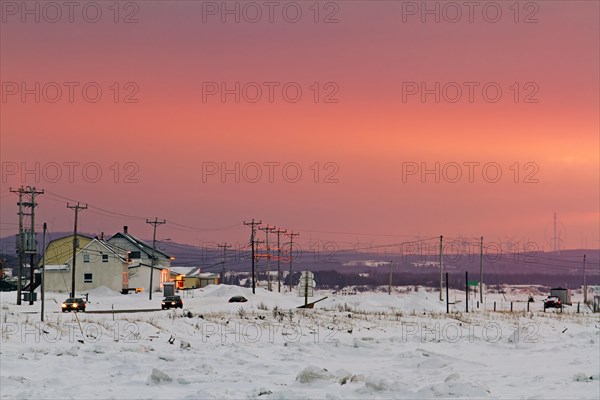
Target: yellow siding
pixel 59 251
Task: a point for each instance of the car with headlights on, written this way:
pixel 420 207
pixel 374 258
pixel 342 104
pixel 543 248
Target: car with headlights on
pixel 171 302
pixel 73 304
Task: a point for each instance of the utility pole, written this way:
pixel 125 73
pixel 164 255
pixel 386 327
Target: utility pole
pixel 447 296
pixel 467 291
pixel 257 244
pixel 253 226
pixel 26 242
pixel 291 235
pixel 306 276
pixel 441 268
pixel 19 243
pixel 43 267
pixel 481 270
pixel 267 230
pixel 155 224
pixel 32 247
pixel 75 208
pixel 390 286
pixel 278 232
pixel 584 283
pixel 224 246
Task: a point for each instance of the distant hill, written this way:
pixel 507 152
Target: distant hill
pixel 527 268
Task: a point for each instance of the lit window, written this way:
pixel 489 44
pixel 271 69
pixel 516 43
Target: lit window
pixel 164 276
pixel 87 278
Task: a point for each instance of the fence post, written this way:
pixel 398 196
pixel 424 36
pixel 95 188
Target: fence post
pixel 511 306
pixel 494 306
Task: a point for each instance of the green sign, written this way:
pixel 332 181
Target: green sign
pixel 473 283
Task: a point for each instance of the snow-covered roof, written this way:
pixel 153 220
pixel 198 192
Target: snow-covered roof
pixel 139 264
pixel 186 271
pixel 140 244
pixel 208 275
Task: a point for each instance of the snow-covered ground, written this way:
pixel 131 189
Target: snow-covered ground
pixel 368 345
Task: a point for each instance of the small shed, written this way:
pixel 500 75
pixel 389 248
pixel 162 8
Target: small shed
pixel 168 289
pixel 597 304
pixel 563 294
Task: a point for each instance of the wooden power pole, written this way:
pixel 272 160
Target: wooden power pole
pixel 252 224
pixel 291 235
pixel 441 268
pixel 267 230
pixel 481 271
pixel 585 299
pixel 155 224
pixel 224 246
pixel 42 290
pixel 75 208
pixel 278 232
pixel 391 271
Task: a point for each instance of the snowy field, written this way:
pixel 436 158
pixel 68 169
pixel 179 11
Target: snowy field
pixel 365 346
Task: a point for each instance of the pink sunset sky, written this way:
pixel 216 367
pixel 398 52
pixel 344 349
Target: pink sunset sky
pixel 160 136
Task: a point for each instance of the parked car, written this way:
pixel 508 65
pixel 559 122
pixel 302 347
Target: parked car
pixel 171 302
pixel 552 302
pixel 73 304
pixel 238 299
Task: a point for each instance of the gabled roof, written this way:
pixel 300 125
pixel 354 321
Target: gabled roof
pixel 110 248
pixel 137 265
pixel 186 271
pixel 208 275
pixel 66 253
pixel 140 244
pixel 66 257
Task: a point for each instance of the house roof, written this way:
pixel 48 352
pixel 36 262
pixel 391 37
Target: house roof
pixel 186 271
pixel 140 244
pixel 208 275
pixel 61 254
pixel 107 246
pixel 138 264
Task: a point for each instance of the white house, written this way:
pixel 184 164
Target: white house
pixel 139 255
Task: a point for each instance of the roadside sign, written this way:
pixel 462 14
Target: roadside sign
pixel 307 284
pixel 473 283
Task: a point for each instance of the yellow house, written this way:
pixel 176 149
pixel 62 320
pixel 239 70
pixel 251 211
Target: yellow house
pixel 98 264
pixel 60 251
pixel 192 278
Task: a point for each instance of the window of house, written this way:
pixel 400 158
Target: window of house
pixel 87 278
pixel 134 255
pixel 104 257
pixel 86 258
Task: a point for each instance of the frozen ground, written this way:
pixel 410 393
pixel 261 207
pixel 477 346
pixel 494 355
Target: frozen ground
pixel 369 345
